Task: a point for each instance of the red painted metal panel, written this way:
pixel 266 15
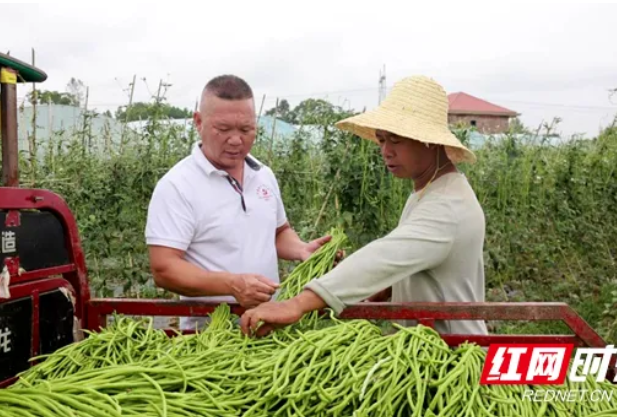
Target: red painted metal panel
pixel 36 339
pixel 95 317
pixel 12 198
pixel 458 311
pixel 8 382
pixel 12 219
pixel 583 335
pixel 42 285
pixel 12 264
pixel 156 307
pixel 582 329
pixel 43 273
pixel 454 340
pixel 34 289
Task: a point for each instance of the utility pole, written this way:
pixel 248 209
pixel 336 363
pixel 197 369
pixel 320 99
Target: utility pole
pixel 158 94
pixel 126 112
pixel 382 84
pixel 162 86
pixel 32 142
pixel 34 100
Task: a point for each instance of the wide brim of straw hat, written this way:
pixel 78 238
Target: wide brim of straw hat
pixel 416 109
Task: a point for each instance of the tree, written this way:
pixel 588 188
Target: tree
pixel 282 112
pixel 53 97
pixel 75 88
pixel 313 111
pixel 517 126
pixel 144 111
pixel 73 96
pixel 309 112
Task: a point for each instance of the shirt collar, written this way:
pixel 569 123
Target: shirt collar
pixel 205 164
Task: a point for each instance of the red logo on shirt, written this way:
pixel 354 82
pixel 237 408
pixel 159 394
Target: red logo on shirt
pixel 263 192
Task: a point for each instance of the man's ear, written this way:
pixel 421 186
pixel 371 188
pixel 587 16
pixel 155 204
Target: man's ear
pixel 197 121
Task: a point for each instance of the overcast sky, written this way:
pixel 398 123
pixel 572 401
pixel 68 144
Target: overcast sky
pixel 540 60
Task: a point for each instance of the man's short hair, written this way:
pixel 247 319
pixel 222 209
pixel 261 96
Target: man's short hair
pixel 229 87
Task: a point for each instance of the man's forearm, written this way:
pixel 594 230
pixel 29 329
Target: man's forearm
pixel 184 278
pixel 288 244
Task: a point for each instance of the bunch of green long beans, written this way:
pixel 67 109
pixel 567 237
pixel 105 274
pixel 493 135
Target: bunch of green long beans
pixel 349 368
pixel 316 266
pixel 124 341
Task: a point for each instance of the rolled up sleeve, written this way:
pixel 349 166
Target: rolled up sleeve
pixel 419 243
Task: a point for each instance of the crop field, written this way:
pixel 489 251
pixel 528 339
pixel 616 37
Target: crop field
pixel 550 209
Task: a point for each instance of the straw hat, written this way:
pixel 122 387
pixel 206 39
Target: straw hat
pixel 417 108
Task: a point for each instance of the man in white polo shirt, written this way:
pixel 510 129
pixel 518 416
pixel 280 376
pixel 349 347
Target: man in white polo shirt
pixel 216 222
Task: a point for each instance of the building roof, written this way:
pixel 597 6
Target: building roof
pixel 464 104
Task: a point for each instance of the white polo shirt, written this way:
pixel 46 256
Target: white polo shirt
pixel 195 208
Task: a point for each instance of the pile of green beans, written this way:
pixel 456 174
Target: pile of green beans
pixel 349 368
pixel 320 366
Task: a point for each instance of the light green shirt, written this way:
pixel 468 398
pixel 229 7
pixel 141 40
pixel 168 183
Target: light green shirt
pixel 435 254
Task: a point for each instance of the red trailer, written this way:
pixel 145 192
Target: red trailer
pixel 45 300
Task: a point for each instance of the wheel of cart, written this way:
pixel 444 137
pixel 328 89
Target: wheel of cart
pixel 45 301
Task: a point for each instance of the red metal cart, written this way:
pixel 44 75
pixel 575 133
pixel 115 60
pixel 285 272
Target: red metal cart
pixel 50 302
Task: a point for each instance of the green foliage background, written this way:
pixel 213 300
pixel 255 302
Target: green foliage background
pixel 550 210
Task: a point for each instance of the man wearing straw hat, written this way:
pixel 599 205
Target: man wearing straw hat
pixel 435 254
